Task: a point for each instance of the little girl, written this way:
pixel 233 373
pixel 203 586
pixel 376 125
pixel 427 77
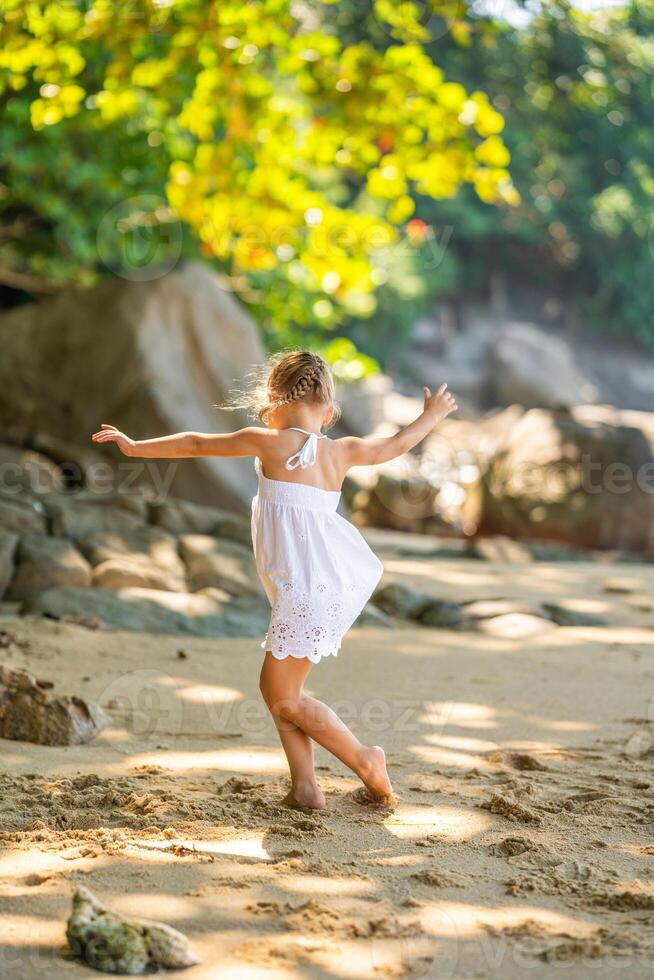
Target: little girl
pixel 317 570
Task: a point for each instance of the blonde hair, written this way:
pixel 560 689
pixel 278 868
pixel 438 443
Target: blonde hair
pixel 288 377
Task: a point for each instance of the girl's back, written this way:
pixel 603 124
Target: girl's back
pixel 282 458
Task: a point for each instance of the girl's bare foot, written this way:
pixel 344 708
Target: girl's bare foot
pixel 305 796
pixel 372 773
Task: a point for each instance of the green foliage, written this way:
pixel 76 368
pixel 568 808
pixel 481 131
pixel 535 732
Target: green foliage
pixel 292 157
pixel 576 92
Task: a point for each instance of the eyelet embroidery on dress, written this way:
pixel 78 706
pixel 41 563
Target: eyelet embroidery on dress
pixel 309 624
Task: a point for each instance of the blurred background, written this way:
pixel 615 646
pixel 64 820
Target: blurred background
pixel 422 192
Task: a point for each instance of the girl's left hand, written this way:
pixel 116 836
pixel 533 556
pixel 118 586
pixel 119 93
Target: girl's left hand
pixel 109 433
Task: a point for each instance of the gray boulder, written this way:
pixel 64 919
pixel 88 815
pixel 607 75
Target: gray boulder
pixel 395 495
pixel 24 469
pixel 372 616
pixel 163 352
pixel 223 564
pixel 79 515
pixel 536 368
pixel 22 513
pixel 585 478
pixel 396 599
pixel 442 613
pixel 363 403
pixel 154 611
pixel 566 615
pixel 146 558
pixel 8 543
pixel 44 563
pixel 122 573
pixel 184 517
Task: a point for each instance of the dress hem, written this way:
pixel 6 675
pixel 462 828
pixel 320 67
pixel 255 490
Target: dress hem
pixel 297 655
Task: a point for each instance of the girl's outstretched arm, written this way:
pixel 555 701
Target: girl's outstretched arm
pixel 367 452
pixel 183 445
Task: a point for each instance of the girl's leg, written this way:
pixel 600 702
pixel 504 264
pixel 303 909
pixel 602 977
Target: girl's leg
pixel 277 683
pixel 286 699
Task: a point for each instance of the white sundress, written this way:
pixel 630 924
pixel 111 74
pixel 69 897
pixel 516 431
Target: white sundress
pixel 316 568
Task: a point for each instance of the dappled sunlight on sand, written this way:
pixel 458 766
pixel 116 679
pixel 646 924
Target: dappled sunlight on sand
pixel 641 849
pixel 452 823
pixel 162 907
pixel 19 864
pixel 246 847
pixel 566 636
pixel 350 960
pixel 461 920
pixel 40 938
pixel 446 757
pixel 450 576
pixel 583 604
pixel 269 761
pixel 316 885
pixel 463 744
pixel 396 860
pixel 209 694
pixel 460 713
pixel 434 644
pixel 565 726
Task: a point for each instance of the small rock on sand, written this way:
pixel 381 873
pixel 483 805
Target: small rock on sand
pixel 29 714
pixel 114 943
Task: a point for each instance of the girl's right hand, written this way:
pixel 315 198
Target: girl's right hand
pixel 440 404
pixel 109 433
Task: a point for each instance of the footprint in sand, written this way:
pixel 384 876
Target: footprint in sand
pixel 439 879
pixel 510 809
pixel 513 847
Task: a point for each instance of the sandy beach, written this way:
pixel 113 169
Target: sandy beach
pixel 521 755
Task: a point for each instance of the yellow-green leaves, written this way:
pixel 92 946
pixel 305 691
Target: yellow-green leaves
pixel 289 151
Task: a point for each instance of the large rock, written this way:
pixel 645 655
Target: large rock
pixel 163 353
pixel 154 611
pixel 393 495
pixel 8 543
pixel 538 369
pixel 145 558
pixel 363 403
pixel 397 599
pixel 23 514
pixel 24 469
pixel 78 515
pixel 585 478
pixel 120 573
pixel 44 563
pixel 442 350
pixel 184 517
pixel 222 564
pixel 29 713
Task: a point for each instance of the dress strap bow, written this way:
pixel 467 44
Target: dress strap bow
pixel 306 455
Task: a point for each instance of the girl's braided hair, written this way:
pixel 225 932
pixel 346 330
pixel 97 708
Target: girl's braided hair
pixel 288 377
